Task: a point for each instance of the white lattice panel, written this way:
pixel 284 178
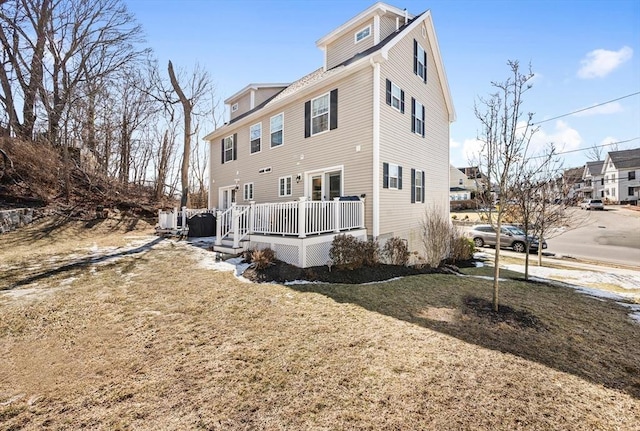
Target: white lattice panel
pixel 287 253
pixel 318 254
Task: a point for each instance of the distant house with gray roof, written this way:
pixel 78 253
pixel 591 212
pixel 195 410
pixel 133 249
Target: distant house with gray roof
pixel 621 176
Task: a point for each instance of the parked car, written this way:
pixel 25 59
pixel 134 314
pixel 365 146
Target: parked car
pixel 510 237
pixel 592 204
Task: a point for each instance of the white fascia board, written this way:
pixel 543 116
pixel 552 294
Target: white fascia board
pixel 254 87
pixel 378 8
pixel 433 43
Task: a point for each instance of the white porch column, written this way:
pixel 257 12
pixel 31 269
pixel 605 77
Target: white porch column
pixel 218 227
pixel 302 217
pixel 236 225
pixel 361 213
pixel 336 215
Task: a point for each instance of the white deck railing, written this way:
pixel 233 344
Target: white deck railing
pixel 175 219
pixel 298 218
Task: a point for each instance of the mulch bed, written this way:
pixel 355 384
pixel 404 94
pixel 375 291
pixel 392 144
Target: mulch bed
pixel 281 272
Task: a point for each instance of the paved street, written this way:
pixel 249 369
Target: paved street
pixel 608 236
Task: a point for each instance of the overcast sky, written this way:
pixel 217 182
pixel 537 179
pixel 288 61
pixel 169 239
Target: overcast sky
pixel 582 53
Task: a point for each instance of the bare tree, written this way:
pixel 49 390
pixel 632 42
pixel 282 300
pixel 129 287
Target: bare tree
pixel 594 152
pixel 52 47
pixel 198 85
pixel 505 136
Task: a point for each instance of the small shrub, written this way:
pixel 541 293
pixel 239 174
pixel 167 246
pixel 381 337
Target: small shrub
pixel 370 252
pixel 461 248
pixel 343 252
pixel 454 217
pixel 263 258
pixel 395 251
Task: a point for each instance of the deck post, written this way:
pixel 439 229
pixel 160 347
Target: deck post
pixel 302 217
pixel 361 213
pixel 336 215
pixel 252 213
pixel 236 226
pixel 184 218
pixel 218 227
pixel 174 218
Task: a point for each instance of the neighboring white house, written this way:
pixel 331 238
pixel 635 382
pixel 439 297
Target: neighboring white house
pixel 464 183
pixel 592 180
pixel 372 122
pixel 621 174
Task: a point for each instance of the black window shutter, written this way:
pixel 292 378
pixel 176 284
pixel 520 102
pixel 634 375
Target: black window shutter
pixel 402 101
pixel 333 109
pixel 413 186
pixel 388 92
pixel 424 123
pixel 385 175
pixel 235 146
pixel 425 65
pixel 399 177
pixel 222 150
pixel 413 115
pixel 424 187
pixel 307 119
pixel 415 56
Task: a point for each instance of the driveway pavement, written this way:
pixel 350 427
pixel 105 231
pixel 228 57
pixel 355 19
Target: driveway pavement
pixel 611 236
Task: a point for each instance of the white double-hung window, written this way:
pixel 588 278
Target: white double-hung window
pixel 277 125
pixel 320 114
pixel 255 136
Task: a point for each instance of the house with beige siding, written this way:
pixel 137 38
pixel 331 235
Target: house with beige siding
pixel 371 124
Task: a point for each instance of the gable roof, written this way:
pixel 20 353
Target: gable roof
pixel 380 52
pixel 593 168
pixel 624 159
pixel 379 7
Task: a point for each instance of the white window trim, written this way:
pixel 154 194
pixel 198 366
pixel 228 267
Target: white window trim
pixel 247 186
pixel 259 137
pixel 230 138
pixel 328 114
pixel 290 178
pixel 399 98
pixel 355 36
pixel 418 176
pixel 271 147
pixel 420 58
pixel 234 107
pixel 397 176
pixel 418 117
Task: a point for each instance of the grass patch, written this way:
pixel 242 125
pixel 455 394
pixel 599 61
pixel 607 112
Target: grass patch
pixel 155 339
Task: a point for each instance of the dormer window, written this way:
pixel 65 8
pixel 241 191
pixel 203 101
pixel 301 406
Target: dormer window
pixel 234 107
pixel 363 34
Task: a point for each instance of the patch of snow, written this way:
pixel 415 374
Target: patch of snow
pixel 383 281
pixel 68 281
pixel 478 264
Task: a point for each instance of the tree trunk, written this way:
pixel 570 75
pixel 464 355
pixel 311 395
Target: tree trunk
pixel 187 107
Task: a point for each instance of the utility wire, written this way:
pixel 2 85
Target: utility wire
pixel 585 109
pixel 588 148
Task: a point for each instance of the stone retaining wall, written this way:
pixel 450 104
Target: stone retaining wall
pixel 13 219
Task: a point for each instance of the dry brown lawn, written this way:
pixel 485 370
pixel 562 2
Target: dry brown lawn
pixel 95 334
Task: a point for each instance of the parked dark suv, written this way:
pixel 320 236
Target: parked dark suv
pixel 510 237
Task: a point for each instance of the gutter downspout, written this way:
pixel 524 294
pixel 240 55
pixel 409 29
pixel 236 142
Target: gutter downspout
pixel 375 202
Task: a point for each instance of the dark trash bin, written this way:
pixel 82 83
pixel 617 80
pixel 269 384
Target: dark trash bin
pixel 202 225
pixel 349 198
